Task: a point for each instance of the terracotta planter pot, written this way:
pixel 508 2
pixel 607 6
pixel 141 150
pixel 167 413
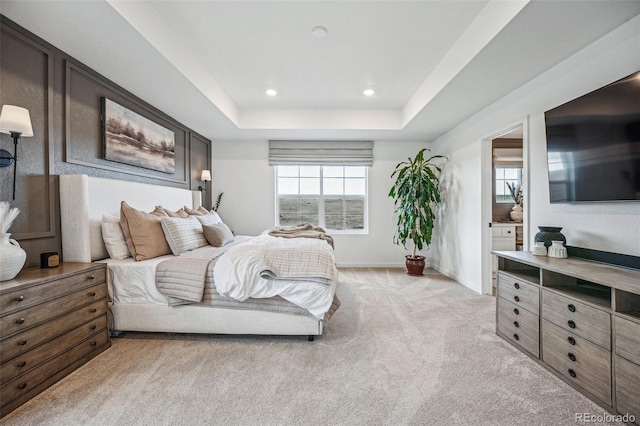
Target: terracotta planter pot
pixel 415 265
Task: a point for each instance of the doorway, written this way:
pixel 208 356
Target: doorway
pixel 504 190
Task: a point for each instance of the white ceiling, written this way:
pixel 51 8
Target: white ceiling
pixel 432 63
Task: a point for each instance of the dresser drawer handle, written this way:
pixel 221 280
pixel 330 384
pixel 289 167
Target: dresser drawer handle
pixel 92 276
pixel 94 343
pixel 571 324
pixel 572 373
pixel 571 307
pixel 92 294
pixel 22 386
pixel 571 356
pixel 20 298
pixel 515 336
pixel 22 364
pixel 571 340
pixel 20 321
pixel 517 286
pixel 93 311
pixel 516 311
pixel 516 324
pixel 516 298
pixel 93 327
pixel 22 342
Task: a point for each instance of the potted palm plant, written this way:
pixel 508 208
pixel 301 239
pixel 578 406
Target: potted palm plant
pixel 415 192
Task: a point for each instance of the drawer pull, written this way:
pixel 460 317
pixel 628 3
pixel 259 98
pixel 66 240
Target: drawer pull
pixel 571 356
pixel 571 340
pixel 22 386
pixel 20 298
pixel 517 286
pixel 94 343
pixel 22 364
pixel 516 311
pixel 92 276
pixel 571 307
pixel 515 336
pixel 93 311
pixel 571 324
pixel 22 342
pixel 92 294
pixel 20 321
pixel 93 327
pixel 572 373
pixel 516 324
pixel 516 298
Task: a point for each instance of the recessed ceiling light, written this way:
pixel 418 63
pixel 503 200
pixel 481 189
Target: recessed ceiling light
pixel 319 32
pixel 369 92
pixel 271 92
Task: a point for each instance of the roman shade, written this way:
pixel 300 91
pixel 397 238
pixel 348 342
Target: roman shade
pixel 327 153
pixel 507 157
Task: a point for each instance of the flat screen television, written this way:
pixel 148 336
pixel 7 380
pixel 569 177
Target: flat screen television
pixel 593 145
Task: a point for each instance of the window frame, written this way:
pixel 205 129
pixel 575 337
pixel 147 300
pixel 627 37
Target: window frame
pixel 321 199
pixel 495 183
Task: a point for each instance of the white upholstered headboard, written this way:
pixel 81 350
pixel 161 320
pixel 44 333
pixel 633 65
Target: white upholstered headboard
pixel 84 199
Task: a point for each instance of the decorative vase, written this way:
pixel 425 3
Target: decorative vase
pixel 415 265
pixel 539 249
pixel 516 213
pixel 557 249
pixel 12 257
pixel 548 234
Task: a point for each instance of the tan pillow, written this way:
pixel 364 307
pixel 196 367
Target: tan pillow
pixel 178 213
pixel 203 210
pixel 218 234
pixel 192 212
pixel 145 232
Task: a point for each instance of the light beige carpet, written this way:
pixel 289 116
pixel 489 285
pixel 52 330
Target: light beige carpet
pixel 401 350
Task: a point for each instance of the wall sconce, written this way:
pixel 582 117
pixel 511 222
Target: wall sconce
pixel 14 121
pixel 205 176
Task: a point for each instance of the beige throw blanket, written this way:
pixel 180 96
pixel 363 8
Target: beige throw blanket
pixel 182 280
pixel 302 231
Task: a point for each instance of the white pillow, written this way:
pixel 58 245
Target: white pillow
pixel 183 234
pixel 114 238
pixel 210 218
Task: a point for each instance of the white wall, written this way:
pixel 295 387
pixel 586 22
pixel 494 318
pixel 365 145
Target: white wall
pixel 609 226
pixel 241 170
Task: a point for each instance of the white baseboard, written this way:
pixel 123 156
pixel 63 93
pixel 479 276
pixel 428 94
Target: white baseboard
pixel 469 284
pixel 370 265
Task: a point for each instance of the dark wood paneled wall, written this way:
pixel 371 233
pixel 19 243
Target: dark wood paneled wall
pixel 63 97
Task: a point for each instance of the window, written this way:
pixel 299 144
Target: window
pixel 512 175
pixel 333 197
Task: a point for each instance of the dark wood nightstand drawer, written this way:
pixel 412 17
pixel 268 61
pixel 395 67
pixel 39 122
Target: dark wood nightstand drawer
pixel 32 358
pixel 522 293
pixel 22 342
pixel 27 318
pixel 33 295
pixel 583 320
pixel 27 382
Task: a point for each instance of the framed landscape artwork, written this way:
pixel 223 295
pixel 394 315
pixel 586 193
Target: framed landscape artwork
pixel 130 138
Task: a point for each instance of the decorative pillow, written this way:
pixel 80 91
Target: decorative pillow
pixel 203 210
pixel 192 212
pixel 145 237
pixel 114 238
pixel 178 213
pixel 209 218
pixel 218 234
pixel 183 234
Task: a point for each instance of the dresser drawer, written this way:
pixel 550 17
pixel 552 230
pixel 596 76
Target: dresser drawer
pixel 628 388
pixel 24 362
pixel 30 296
pixel 528 340
pixel 27 318
pixel 585 321
pixel 584 355
pixel 23 342
pixel 522 293
pixel 26 382
pixel 627 339
pixel 526 322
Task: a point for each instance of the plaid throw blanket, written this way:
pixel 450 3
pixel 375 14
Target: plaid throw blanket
pixel 299 261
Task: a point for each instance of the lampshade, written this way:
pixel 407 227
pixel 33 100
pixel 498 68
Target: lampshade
pixel 205 176
pixel 15 119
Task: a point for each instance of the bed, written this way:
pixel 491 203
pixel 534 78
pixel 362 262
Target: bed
pixel 134 303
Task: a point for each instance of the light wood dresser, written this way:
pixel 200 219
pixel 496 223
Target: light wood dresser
pixel 579 319
pixel 52 321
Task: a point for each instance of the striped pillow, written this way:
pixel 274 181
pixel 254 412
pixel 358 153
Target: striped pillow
pixel 209 218
pixel 183 234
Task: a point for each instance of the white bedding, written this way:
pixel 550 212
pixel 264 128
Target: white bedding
pixel 134 283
